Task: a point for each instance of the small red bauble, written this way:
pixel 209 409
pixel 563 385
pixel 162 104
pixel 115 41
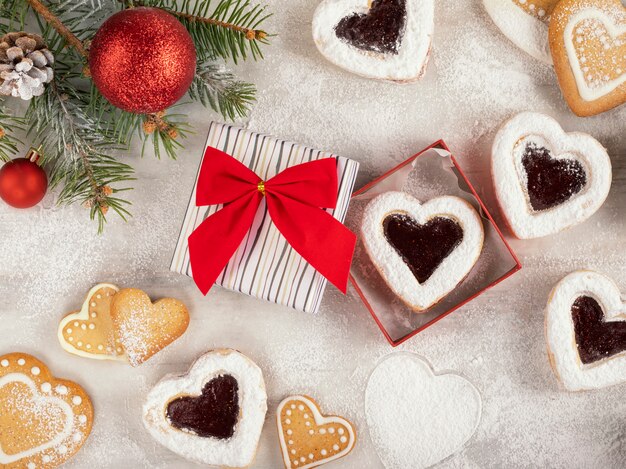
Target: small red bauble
pixel 142 60
pixel 23 183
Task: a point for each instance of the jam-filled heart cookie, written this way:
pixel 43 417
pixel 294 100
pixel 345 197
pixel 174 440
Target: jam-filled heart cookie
pixel 144 328
pixel 588 44
pixel 309 439
pixel 90 332
pixel 525 23
pixel 547 180
pixel 382 39
pixel 212 415
pixel 586 331
pixel 44 420
pixel 422 251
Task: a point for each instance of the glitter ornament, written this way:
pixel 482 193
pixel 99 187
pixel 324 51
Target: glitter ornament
pixel 23 183
pixel 142 60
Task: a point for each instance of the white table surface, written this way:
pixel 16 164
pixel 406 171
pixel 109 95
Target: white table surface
pixel 49 258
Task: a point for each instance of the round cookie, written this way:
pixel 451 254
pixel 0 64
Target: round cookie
pixel 214 413
pixel 422 251
pixel 586 331
pixel 44 420
pixel 545 179
pixel 309 439
pixel 588 44
pixel 380 39
pixel 525 23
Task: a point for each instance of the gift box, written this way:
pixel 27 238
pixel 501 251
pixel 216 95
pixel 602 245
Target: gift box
pixel 265 265
pixel 428 174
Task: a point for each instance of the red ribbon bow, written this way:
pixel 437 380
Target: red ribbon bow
pixel 295 201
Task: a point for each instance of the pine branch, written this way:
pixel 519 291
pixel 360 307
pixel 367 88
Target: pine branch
pixel 9 124
pixel 218 89
pixel 229 29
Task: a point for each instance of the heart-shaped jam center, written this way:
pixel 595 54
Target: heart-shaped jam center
pixel 422 247
pixel 550 181
pixel 212 414
pixel 596 338
pixel 378 30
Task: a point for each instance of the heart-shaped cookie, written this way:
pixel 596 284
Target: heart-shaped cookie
pixel 382 39
pixel 44 420
pixel 144 328
pixel 586 331
pixel 212 415
pixel 309 439
pixel 525 23
pixel 588 44
pixel 90 332
pixel 547 180
pixel 424 250
pixel 416 417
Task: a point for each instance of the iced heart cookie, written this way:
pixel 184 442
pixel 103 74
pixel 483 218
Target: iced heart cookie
pixel 212 415
pixel 588 44
pixel 144 328
pixel 44 420
pixel 416 417
pixel 586 331
pixel 547 180
pixel 383 39
pixel 525 23
pixel 309 439
pixel 90 332
pixel 424 250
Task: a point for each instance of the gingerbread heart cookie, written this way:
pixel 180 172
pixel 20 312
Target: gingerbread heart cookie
pixel 586 331
pixel 547 180
pixel 144 328
pixel 44 420
pixel 382 39
pixel 525 23
pixel 90 332
pixel 588 44
pixel 421 250
pixel 212 415
pixel 309 439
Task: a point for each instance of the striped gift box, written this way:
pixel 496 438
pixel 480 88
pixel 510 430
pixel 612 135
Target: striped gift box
pixel 265 265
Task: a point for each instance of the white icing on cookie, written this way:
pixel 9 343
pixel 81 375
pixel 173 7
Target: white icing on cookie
pixel 43 402
pixel 408 64
pixel 525 31
pixel 597 89
pixel 390 264
pixel 415 417
pixel 560 335
pixel 510 179
pixel 235 452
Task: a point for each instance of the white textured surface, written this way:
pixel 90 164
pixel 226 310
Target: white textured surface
pixel 398 275
pixel 235 452
pixel 561 339
pixel 418 417
pixel 510 179
pixel 476 80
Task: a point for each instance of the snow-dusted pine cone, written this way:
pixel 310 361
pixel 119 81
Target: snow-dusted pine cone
pixel 25 65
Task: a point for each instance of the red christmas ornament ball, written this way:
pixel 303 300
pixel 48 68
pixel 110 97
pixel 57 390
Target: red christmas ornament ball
pixel 142 60
pixel 23 183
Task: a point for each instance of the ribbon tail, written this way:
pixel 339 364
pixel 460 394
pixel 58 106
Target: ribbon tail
pixel 217 238
pixel 319 238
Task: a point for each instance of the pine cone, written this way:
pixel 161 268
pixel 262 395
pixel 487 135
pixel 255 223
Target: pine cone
pixel 25 65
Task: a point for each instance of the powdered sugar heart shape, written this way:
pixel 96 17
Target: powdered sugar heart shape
pixel 210 437
pixel 416 417
pixel 586 331
pixel 528 153
pixel 381 39
pixel 421 250
pixel 525 23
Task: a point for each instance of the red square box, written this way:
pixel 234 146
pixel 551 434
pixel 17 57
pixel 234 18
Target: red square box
pixel 430 173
